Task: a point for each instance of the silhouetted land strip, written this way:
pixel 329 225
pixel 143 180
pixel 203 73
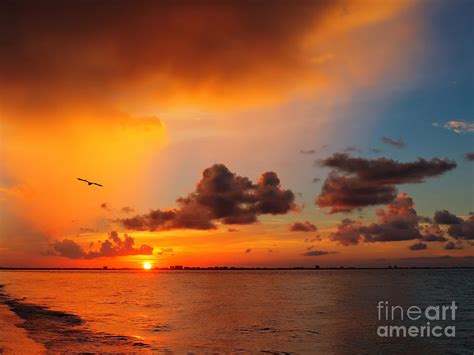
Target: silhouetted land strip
pixel 231 268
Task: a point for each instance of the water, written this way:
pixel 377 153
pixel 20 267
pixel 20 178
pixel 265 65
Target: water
pixel 300 311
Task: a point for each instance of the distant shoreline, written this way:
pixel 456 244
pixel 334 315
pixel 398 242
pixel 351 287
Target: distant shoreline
pixel 226 268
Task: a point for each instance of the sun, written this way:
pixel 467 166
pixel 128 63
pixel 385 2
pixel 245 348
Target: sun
pixel 147 266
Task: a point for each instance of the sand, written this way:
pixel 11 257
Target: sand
pixel 13 340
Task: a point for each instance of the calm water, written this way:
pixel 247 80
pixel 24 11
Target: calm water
pixel 231 311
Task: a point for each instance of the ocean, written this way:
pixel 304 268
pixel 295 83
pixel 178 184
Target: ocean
pixel 241 311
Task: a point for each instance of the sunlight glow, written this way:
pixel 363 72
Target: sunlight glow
pixel 147 266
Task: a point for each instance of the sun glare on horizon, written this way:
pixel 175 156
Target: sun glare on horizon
pixel 147 266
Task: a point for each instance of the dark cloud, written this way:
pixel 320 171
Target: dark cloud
pixel 397 222
pixel 397 143
pixel 470 156
pixel 316 179
pixel 445 217
pixel 347 233
pixel 307 152
pixel 231 230
pixel 432 233
pixel 356 183
pixel 463 230
pixel 220 196
pixel 344 194
pixel 305 226
pixel 127 209
pixel 112 247
pixel 418 246
pixel 318 253
pixel 452 246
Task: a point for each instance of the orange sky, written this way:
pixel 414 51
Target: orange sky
pixel 123 94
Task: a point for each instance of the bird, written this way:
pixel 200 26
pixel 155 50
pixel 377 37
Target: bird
pixel 89 182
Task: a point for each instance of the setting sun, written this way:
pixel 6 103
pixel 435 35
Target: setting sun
pixel 147 266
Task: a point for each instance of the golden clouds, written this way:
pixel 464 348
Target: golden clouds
pixel 204 53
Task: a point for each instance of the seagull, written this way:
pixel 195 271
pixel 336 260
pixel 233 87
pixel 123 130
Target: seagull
pixel 89 182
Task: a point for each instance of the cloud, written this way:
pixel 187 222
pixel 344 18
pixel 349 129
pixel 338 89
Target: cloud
pixel 445 217
pixel 127 209
pixel 200 50
pixel 305 226
pixel 460 127
pixel 318 253
pixel 316 179
pixel 347 233
pixel 418 246
pixel 397 222
pixel 355 183
pixel 317 238
pixel 452 246
pixel 307 152
pixel 220 196
pixel 463 230
pixel 469 156
pixel 397 143
pixel 105 206
pixel 248 250
pixel 164 251
pixel 111 247
pixel 432 233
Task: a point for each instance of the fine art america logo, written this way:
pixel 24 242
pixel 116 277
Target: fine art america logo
pixel 419 322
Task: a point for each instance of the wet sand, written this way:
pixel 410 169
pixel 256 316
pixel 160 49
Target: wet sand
pixel 13 340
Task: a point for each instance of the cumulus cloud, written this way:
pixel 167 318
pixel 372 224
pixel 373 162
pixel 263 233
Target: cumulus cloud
pixel 355 183
pixel 418 246
pixel 318 253
pixel 397 143
pixel 445 217
pixel 397 222
pixel 463 230
pixel 220 196
pixel 111 247
pixel 432 233
pixel 347 233
pixel 460 127
pixel 305 226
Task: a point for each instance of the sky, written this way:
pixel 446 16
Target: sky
pixel 265 133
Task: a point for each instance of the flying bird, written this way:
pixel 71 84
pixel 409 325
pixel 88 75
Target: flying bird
pixel 89 182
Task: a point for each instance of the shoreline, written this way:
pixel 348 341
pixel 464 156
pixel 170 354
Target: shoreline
pixel 14 339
